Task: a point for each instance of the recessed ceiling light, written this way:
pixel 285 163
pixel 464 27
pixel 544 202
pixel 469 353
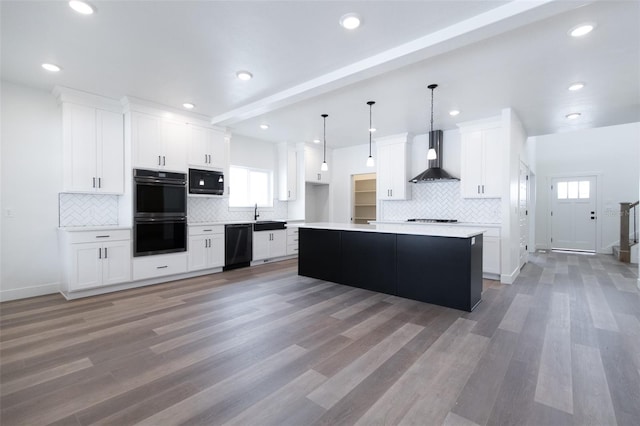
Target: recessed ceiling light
pixel 350 21
pixel 581 30
pixel 244 75
pixel 264 126
pixel 51 67
pixel 188 105
pixel 576 86
pixel 316 141
pixel 573 115
pixel 373 129
pixel 454 112
pixel 81 7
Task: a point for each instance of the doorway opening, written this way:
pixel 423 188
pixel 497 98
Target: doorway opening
pixel 363 198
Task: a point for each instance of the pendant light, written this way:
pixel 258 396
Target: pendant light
pixel 431 154
pixel 324 167
pixel 370 162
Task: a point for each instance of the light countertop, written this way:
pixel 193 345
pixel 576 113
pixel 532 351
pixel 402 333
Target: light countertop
pixel 93 228
pixel 467 224
pixel 434 231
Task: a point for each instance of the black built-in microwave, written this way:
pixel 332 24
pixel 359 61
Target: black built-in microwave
pixel 206 182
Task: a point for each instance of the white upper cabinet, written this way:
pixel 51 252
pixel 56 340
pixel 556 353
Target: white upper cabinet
pixel 208 148
pixel 481 162
pixel 93 149
pixel 393 168
pixel 312 162
pixel 287 173
pixel 158 143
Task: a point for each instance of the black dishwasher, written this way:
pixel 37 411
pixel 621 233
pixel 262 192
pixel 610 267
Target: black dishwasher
pixel 238 247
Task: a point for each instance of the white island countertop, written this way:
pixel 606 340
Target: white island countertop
pixel 465 224
pixel 433 231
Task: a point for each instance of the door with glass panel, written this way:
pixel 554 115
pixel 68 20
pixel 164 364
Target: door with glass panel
pixel 573 213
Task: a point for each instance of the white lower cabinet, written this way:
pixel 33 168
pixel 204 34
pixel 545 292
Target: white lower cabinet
pixel 491 252
pixel 292 241
pixel 206 247
pixel 95 258
pixel 269 244
pixel 159 266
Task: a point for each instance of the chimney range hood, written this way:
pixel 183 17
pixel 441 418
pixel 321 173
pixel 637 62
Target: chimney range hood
pixel 435 172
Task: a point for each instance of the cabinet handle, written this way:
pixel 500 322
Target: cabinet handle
pixel 209 158
pixel 164 160
pixel 159 161
pixel 162 267
pixel 483 189
pixel 478 189
pixel 288 194
pixel 103 236
pixel 392 192
pixel 94 182
pixel 99 182
pixel 209 242
pixel 206 243
pixel 100 253
pixel 106 253
pixel 207 230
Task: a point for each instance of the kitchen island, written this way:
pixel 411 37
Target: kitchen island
pixel 440 265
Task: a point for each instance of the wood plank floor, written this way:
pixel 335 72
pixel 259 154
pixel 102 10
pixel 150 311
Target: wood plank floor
pixel 263 346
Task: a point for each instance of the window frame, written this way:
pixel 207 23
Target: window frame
pixel 270 196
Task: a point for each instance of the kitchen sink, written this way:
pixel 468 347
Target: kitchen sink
pixel 269 225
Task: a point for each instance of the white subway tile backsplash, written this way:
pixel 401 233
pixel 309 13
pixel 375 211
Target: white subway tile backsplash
pixel 87 209
pixel 442 200
pixel 209 209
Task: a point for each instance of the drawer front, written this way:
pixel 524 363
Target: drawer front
pixel 293 231
pixel 292 239
pixel 492 232
pixel 99 236
pixel 159 266
pixel 206 230
pixel 292 249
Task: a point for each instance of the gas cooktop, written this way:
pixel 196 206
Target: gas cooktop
pixel 433 220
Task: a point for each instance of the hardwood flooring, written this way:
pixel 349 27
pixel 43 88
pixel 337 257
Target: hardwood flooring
pixel 264 346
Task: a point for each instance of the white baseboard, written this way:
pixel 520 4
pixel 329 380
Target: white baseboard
pixel 25 292
pixel 510 278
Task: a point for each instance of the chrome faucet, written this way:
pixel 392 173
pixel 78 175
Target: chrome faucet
pixel 255 213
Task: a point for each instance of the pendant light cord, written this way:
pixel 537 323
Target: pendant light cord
pixel 432 109
pixel 370 106
pixel 324 135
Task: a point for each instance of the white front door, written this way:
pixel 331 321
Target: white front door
pixel 573 213
pixel 523 212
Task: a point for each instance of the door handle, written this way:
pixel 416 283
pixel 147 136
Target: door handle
pixel 94 182
pixel 483 189
pixel 478 189
pixel 159 161
pixel 106 253
pixel 206 158
pixel 100 253
pixel 164 160
pixel 99 182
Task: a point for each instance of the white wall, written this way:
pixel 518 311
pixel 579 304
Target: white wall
pixel 515 151
pixel 611 153
pixel 31 179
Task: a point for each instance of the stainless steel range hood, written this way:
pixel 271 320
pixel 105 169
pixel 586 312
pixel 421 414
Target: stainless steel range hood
pixel 435 172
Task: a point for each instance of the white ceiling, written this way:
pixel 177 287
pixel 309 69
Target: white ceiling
pixel 485 56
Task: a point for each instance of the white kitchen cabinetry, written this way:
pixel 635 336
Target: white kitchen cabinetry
pixel 312 161
pixel 491 253
pixel 206 247
pixel 292 241
pixel 393 168
pixel 287 173
pixel 93 149
pixel 269 244
pixel 158 143
pixel 159 265
pixel 481 162
pixel 208 148
pixel 95 258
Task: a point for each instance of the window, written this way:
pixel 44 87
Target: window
pixel 573 190
pixel 250 186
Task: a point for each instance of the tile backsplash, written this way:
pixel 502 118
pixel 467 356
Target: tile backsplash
pixel 206 209
pixel 87 209
pixel 442 200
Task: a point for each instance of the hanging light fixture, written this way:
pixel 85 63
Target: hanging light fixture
pixel 370 162
pixel 324 167
pixel 431 154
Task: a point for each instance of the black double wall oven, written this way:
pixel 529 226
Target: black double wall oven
pixel 160 212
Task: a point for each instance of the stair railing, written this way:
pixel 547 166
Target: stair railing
pixel 628 230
